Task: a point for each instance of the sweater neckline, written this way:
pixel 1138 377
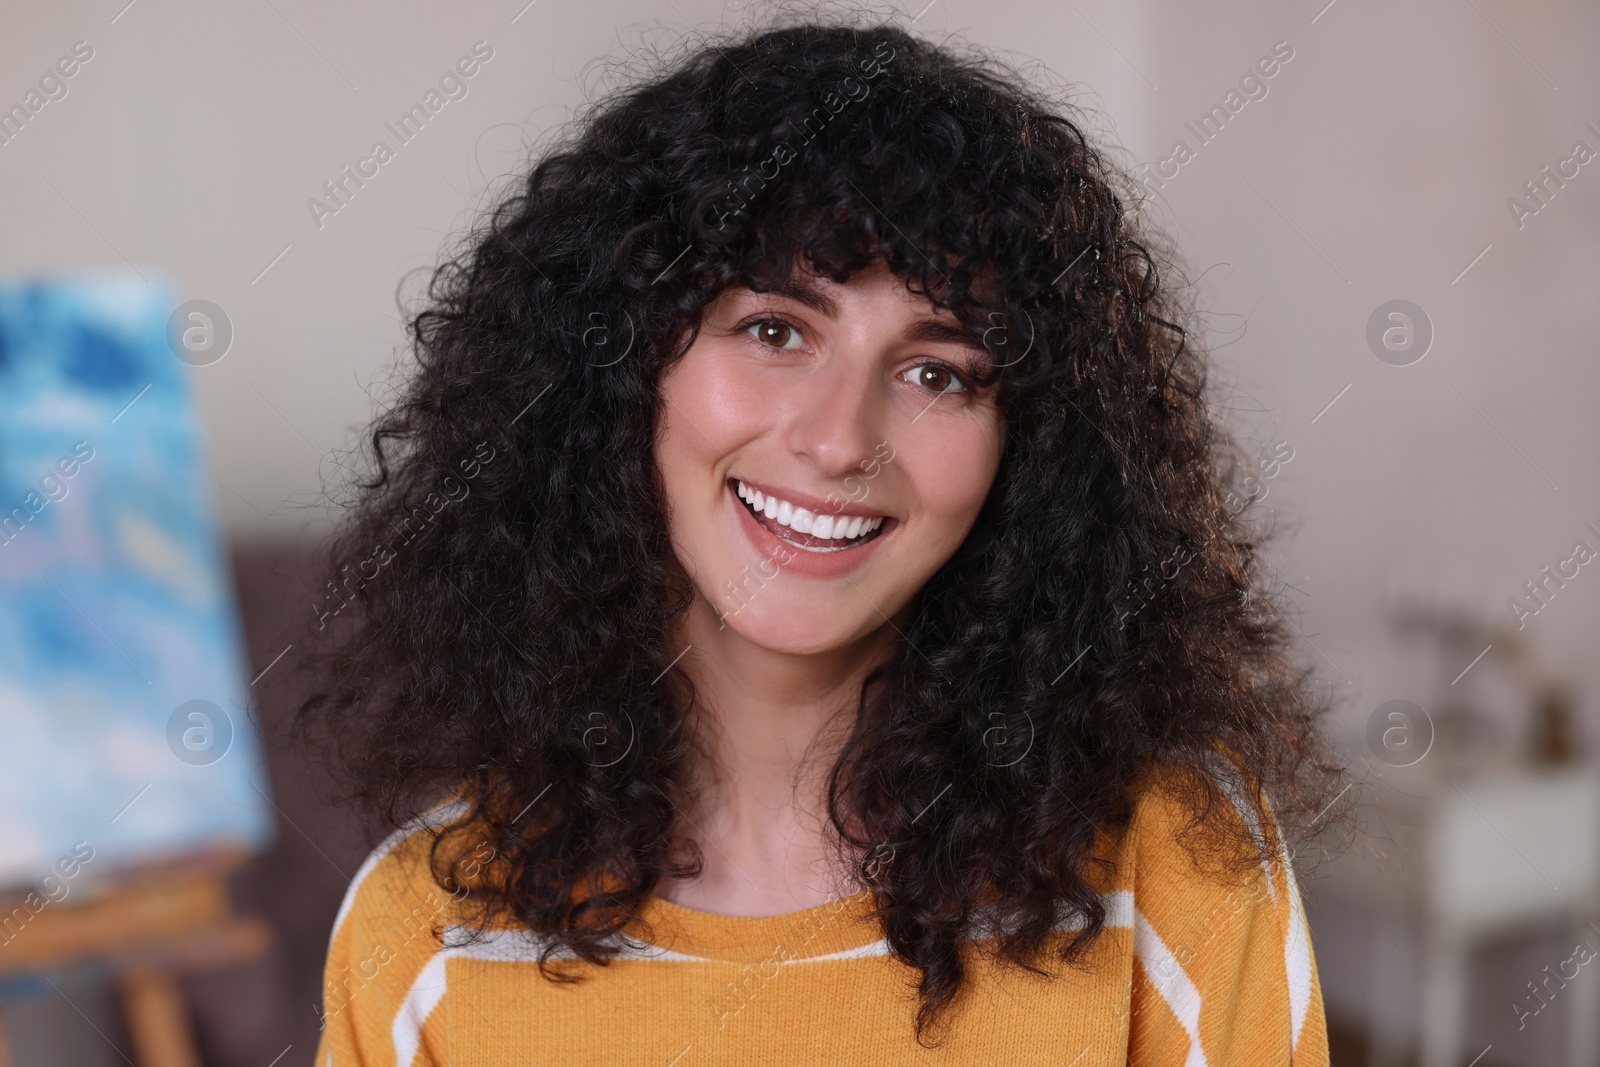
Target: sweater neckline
pixel 833 926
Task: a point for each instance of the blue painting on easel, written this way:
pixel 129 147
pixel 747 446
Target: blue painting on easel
pixel 125 702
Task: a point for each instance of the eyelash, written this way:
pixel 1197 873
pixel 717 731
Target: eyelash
pixel 963 377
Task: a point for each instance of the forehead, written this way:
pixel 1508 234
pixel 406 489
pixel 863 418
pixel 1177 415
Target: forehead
pixel 830 298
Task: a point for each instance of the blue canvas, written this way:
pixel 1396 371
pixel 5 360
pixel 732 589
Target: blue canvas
pixel 125 700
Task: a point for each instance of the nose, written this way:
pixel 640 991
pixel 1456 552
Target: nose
pixel 836 421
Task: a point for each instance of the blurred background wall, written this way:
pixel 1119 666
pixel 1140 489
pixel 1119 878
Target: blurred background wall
pixel 1381 161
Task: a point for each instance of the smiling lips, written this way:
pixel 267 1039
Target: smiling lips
pixel 809 530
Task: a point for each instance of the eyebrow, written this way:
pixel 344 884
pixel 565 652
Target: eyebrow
pixel 933 331
pixel 930 331
pixel 802 291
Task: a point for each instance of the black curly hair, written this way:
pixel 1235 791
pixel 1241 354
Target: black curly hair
pixel 1107 614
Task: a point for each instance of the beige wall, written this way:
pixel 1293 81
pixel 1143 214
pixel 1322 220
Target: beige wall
pixel 197 133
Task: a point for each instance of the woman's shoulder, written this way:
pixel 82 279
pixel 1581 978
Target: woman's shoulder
pixel 403 873
pixel 395 931
pixel 1212 812
pixel 1207 883
pixel 1201 870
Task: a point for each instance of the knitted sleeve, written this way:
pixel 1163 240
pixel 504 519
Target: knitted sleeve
pixel 1224 970
pixel 378 984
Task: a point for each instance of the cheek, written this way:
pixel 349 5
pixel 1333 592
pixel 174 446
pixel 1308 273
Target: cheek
pixel 707 412
pixel 724 404
pixel 950 472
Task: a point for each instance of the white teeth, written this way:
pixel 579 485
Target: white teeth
pixel 829 527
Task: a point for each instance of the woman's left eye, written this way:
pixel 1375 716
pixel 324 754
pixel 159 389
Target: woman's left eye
pixel 935 377
pixel 774 333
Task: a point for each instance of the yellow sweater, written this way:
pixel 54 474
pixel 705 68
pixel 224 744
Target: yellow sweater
pixel 1191 970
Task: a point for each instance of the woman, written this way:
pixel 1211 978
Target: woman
pixel 802 612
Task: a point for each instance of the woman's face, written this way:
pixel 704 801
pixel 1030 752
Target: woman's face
pixel 822 456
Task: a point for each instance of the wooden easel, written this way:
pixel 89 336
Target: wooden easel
pixel 147 925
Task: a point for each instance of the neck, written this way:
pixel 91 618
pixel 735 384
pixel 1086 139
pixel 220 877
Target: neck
pixel 767 726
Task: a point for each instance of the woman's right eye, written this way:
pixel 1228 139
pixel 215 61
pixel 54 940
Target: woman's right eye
pixel 774 333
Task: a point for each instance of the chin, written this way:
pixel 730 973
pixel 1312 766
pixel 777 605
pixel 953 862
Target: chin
pixel 796 630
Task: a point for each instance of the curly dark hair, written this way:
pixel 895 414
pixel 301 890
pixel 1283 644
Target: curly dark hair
pixel 1108 613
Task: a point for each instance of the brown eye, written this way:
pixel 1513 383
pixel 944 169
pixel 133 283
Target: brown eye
pixel 775 334
pixel 934 378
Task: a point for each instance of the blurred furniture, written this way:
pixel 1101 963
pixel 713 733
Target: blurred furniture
pixel 146 930
pixel 1473 858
